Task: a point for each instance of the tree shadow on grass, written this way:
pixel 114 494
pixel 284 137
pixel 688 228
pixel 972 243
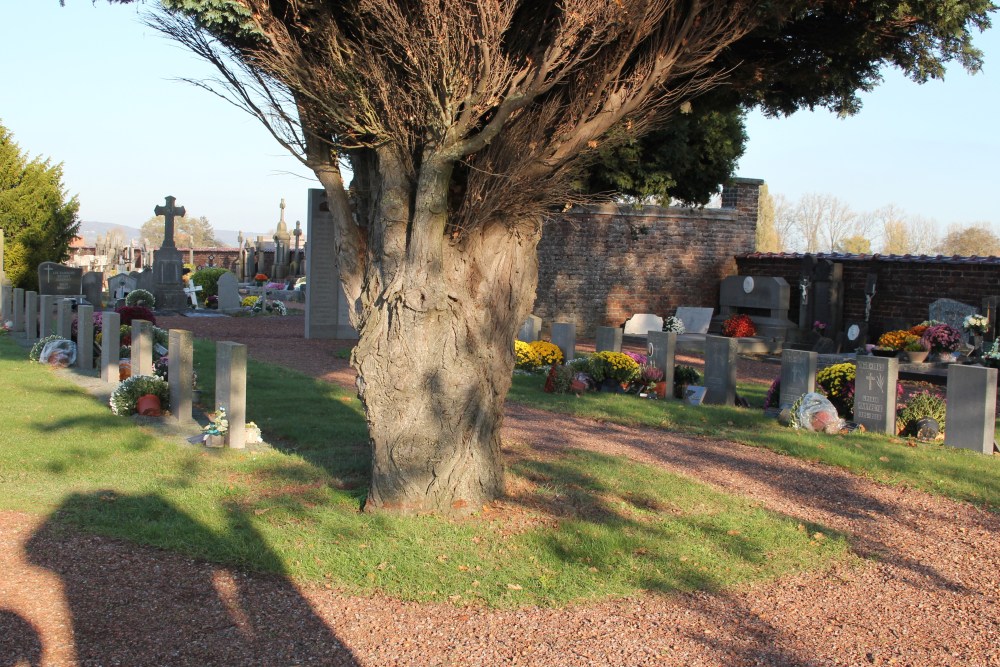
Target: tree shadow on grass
pixel 129 601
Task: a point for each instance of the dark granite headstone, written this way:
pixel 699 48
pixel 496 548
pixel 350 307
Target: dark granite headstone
pixel 875 393
pixel 93 288
pixel 564 337
pixel 720 370
pixel 660 348
pixel 608 339
pixel 971 410
pixel 59 280
pixel 168 262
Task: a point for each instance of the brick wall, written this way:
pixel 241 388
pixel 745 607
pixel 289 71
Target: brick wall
pixel 906 285
pixel 600 265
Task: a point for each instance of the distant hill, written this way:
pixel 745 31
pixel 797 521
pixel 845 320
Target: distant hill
pixel 90 230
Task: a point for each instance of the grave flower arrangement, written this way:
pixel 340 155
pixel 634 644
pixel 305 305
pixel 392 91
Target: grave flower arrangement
pixel 649 376
pixel 126 395
pixel 5 327
pixel 260 278
pixel 943 338
pixel 248 301
pixel 612 366
pixel 773 394
pixel 895 340
pixel 739 326
pixel 922 406
pixel 837 382
pixel 548 353
pixel 212 301
pixel 36 349
pixel 140 297
pixel 991 357
pixel 684 376
pixel 526 359
pixel 129 313
pixel 976 324
pixel 673 323
pixel 218 426
pixel 819 326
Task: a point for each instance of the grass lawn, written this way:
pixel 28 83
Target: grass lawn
pixel 955 473
pixel 579 526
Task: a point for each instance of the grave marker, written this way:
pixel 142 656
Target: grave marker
pixel 18 309
pixel 798 376
pixel 120 285
pixel 59 280
pixel 660 349
pixel 609 339
pixel 531 330
pixel 950 312
pixel 970 414
pixel 168 262
pixel 64 318
pixel 229 293
pixel 180 369
pixel 93 288
pixel 564 337
pixel 327 307
pixel 231 389
pixel 85 337
pixel 696 320
pixel 6 302
pixel 875 393
pixel 142 347
pixel 642 323
pixel 46 315
pixel 720 370
pixel 31 315
pixel 111 323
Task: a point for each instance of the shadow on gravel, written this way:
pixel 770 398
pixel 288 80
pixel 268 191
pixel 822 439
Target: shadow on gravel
pixel 19 642
pixel 131 606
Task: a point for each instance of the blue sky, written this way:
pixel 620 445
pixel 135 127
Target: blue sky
pixel 90 86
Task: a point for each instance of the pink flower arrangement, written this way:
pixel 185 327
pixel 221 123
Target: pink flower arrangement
pixel 942 338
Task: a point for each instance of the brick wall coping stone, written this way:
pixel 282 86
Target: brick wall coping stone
pixel 846 257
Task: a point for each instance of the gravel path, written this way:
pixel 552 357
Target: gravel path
pixel 924 588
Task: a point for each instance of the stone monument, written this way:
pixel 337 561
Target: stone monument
pixel 327 310
pixel 281 239
pixel 168 262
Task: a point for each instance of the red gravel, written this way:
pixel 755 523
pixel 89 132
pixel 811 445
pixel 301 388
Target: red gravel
pixel 923 589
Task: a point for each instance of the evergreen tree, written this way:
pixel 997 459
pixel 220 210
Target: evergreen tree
pixel 37 219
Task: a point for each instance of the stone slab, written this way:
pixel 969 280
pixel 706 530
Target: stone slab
pixel 180 370
pixel 231 388
pixel 31 315
pixel 720 370
pixel 64 318
pixel 85 337
pixel 661 346
pixel 327 308
pixel 93 288
pixel 951 312
pixel 110 346
pixel 608 339
pixel 696 320
pixel 798 375
pixel 531 330
pixel 875 393
pixel 229 292
pixel 18 295
pixel 970 414
pixel 564 337
pixel 142 347
pixel 56 279
pixel 642 323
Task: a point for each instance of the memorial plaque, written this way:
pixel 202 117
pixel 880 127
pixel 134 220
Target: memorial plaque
pixel 875 393
pixel 798 376
pixel 720 370
pixel 56 279
pixel 971 409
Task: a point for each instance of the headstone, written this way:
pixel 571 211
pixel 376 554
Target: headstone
pixel 720 370
pixel 46 315
pixel 85 337
pixel 970 414
pixel 142 347
pixel 120 285
pixel 660 349
pixel 696 320
pixel 327 308
pixel 875 393
pixel 531 330
pixel 168 262
pixel 798 376
pixel 31 315
pixel 64 318
pixel 564 337
pixel 229 293
pixel 93 288
pixel 18 309
pixel 642 323
pixel 764 299
pixel 231 389
pixel 145 280
pixel 59 280
pixel 856 335
pixel 6 303
pixel 950 312
pixel 608 339
pixel 111 323
pixel 180 373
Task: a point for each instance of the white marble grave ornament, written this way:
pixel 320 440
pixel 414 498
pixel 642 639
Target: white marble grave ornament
pixel 192 292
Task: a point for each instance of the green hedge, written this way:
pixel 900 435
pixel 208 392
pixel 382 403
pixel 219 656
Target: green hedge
pixel 208 280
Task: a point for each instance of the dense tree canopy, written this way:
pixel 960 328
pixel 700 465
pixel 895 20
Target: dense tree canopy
pixel 187 231
pixel 465 123
pixel 978 240
pixel 37 219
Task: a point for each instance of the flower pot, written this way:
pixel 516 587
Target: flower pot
pixel 124 369
pixel 661 389
pixel 149 405
pixel 215 440
pixel 947 357
pixel 917 357
pixel 926 428
pixel 884 353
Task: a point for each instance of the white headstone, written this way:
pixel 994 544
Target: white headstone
pixel 696 320
pixel 642 323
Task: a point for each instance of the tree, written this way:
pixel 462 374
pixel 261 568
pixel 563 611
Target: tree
pixel 774 222
pixel 187 231
pixel 855 245
pixel 38 221
pixel 977 239
pixel 466 123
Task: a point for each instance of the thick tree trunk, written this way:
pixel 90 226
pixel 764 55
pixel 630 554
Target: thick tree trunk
pixel 434 364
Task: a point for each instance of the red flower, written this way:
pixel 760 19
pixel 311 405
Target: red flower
pixel 739 326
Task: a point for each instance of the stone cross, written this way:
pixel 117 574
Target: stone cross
pixel 192 291
pixel 168 212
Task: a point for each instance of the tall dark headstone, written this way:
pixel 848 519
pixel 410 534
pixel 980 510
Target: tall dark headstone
pixel 327 309
pixel 971 411
pixel 660 349
pixel 875 393
pixel 798 376
pixel 720 370
pixel 58 280
pixel 168 262
pixel 93 288
pixel 608 339
pixel 564 337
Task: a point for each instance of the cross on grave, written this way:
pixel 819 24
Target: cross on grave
pixel 192 291
pixel 168 212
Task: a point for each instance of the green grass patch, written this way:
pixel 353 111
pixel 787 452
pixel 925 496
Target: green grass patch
pixel 955 473
pixel 579 527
